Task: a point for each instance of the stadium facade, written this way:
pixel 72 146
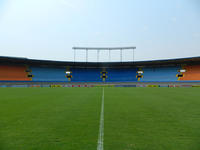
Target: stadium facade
pixel 23 72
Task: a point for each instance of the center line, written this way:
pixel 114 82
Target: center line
pixel 101 125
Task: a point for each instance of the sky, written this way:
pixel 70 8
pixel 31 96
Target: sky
pixel 48 29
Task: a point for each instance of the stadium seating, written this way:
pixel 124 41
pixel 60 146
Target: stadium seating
pixel 56 74
pixel 160 74
pixel 48 74
pixel 13 73
pixel 121 75
pixel 86 75
pixel 192 73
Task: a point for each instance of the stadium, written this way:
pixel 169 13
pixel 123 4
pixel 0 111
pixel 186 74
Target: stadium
pixel 23 72
pixel 63 102
pixel 99 75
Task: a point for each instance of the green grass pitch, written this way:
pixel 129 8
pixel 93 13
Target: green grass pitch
pixel 68 118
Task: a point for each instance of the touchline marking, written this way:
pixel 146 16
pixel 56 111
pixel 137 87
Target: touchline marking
pixel 101 125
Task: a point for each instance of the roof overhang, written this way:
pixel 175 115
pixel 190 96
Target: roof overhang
pixel 36 62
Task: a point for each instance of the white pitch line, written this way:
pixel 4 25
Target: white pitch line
pixel 101 125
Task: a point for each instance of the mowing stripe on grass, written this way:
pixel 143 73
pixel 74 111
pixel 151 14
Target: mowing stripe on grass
pixel 101 126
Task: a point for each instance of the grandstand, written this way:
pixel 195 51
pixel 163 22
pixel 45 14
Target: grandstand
pixel 160 74
pixel 13 73
pixel 23 71
pixel 192 73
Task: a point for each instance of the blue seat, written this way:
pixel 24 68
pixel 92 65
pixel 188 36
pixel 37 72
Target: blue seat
pixel 121 75
pixel 160 74
pixel 86 75
pixel 48 74
pixel 157 74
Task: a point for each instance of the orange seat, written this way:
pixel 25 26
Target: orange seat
pixel 192 73
pixel 13 73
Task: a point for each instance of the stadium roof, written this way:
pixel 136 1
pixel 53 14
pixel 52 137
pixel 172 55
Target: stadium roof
pixel 35 62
